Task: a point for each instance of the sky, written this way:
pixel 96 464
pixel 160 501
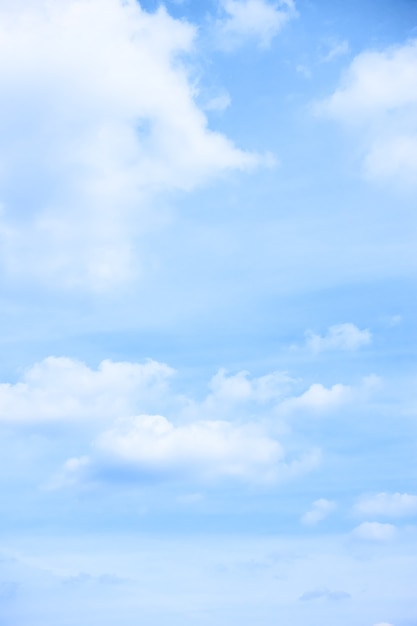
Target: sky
pixel 208 312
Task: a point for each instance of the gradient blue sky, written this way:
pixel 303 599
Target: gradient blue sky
pixel 208 312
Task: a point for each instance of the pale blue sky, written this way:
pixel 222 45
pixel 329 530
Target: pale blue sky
pixel 208 279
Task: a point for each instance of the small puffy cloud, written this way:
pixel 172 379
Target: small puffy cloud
pixel 61 388
pixel 387 505
pixel 374 531
pixel 347 337
pixel 378 96
pixel 324 594
pixel 252 20
pixel 113 122
pixel 240 387
pixel 319 511
pixel 383 624
pixel 318 399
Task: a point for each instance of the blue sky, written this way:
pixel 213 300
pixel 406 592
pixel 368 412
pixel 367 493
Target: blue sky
pixel 207 393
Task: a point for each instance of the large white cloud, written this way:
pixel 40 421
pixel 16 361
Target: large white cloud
pixel 387 505
pixel 97 115
pixel 378 95
pixel 208 448
pixel 256 20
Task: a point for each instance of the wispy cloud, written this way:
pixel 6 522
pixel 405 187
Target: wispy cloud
pixel 319 511
pixel 252 20
pixel 386 505
pixel 346 337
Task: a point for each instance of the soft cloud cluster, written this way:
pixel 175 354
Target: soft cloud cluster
pixel 256 20
pixel 112 123
pixel 338 337
pixel 134 422
pixel 319 511
pixel 387 505
pixel 378 95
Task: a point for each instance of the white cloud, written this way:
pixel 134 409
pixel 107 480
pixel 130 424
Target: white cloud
pixel 378 95
pixel 63 388
pixel 374 531
pixel 319 398
pixel 256 20
pixel 338 337
pixel 319 511
pixel 387 505
pixel 209 449
pixel 383 624
pixel 97 116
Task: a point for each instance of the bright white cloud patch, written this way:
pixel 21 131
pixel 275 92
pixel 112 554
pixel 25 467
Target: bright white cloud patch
pixel 378 94
pixel 112 122
pixel 374 531
pixel 387 505
pixel 319 511
pixel 256 20
pixel 62 388
pixel 209 449
pixel 338 337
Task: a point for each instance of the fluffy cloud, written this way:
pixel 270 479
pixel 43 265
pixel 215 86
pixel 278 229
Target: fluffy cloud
pixel 319 511
pixel 210 449
pixel 62 388
pixel 112 121
pixel 378 95
pixel 256 20
pixel 338 337
pixel 150 447
pixel 374 531
pixel 387 505
pixel 318 399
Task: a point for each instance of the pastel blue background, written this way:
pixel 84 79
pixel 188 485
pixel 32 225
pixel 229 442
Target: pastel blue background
pixel 231 268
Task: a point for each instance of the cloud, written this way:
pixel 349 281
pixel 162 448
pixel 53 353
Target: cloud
pixel 60 388
pixel 98 116
pixel 383 624
pixel 150 447
pixel 319 511
pixel 324 594
pixel 346 337
pixel 210 448
pixel 387 505
pixel 374 531
pixel 318 399
pixel 336 49
pixel 252 20
pixel 378 96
